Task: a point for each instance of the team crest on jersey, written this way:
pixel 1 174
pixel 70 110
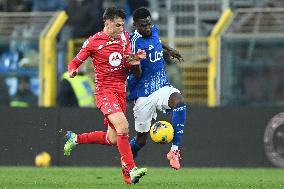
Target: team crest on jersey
pixel 151 47
pixel 115 58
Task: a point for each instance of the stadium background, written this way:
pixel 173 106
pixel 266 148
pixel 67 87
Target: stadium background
pixel 232 78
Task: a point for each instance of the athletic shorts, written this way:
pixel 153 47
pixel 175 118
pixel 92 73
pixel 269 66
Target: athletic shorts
pixel 110 103
pixel 145 107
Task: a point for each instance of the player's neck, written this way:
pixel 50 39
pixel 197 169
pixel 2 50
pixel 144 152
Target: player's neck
pixel 109 34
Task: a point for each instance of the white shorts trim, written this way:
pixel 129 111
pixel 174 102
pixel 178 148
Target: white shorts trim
pixel 145 108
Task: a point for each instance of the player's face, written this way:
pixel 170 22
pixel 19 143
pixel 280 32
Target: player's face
pixel 114 27
pixel 144 26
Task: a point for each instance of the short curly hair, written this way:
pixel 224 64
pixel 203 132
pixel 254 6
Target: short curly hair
pixel 141 13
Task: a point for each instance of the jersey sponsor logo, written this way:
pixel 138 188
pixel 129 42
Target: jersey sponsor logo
pixel 156 57
pixel 85 44
pixel 150 47
pixel 112 42
pixel 115 59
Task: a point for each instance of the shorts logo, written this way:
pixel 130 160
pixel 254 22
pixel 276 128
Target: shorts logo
pixel 115 59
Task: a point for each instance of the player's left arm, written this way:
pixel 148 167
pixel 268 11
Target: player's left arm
pixel 173 52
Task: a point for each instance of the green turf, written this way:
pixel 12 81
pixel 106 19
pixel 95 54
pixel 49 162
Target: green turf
pixel 193 178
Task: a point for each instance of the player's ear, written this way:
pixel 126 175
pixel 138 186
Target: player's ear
pixel 106 23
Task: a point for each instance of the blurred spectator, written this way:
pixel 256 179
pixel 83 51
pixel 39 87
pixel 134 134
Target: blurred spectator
pixel 252 88
pixel 76 92
pixel 130 6
pixel 173 71
pixel 4 95
pixel 48 5
pixel 84 17
pixel 24 47
pixel 15 5
pixel 24 96
pixel 135 4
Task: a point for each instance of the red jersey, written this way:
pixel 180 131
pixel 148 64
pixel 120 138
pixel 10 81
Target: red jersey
pixel 108 57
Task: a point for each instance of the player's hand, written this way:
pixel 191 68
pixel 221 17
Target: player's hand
pixel 141 54
pixel 134 59
pixel 73 73
pixel 175 54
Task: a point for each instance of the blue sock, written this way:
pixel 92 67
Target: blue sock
pixel 178 121
pixel 135 147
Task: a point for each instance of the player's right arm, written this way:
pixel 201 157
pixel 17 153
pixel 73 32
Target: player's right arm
pixel 79 59
pixel 172 52
pixel 136 68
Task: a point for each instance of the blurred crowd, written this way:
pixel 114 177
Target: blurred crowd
pixel 85 16
pixel 84 19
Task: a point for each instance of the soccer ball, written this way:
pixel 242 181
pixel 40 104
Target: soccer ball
pixel 162 132
pixel 43 159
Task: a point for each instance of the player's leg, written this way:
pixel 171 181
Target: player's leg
pixel 112 136
pixel 144 111
pixel 138 142
pixel 177 104
pixel 169 98
pixel 95 137
pixel 71 142
pixel 120 124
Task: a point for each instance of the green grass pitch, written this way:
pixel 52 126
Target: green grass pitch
pixel 110 178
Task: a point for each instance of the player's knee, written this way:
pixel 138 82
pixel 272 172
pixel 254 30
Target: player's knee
pixel 123 128
pixel 141 142
pixel 176 99
pixel 112 140
pixel 141 138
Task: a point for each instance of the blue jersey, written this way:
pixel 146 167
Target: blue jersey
pixel 154 74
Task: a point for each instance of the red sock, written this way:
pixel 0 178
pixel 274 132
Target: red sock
pixel 97 137
pixel 125 150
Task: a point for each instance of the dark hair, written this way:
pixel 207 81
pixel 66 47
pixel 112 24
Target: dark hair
pixel 112 13
pixel 141 13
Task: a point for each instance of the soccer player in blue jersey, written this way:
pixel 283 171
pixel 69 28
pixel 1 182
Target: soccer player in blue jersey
pixel 150 89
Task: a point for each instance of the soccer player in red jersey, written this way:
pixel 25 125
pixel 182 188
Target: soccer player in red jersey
pixel 112 60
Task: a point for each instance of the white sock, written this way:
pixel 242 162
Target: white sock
pixel 76 139
pixel 174 147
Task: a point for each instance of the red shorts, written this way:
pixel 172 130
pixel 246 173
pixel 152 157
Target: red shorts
pixel 110 103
